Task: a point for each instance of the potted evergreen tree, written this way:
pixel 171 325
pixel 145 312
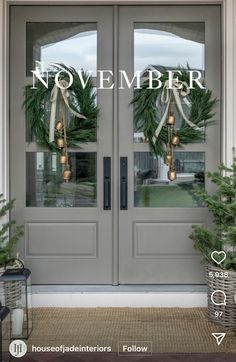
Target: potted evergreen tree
pixel 10 233
pixel 218 246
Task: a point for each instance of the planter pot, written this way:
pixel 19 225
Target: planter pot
pixel 224 281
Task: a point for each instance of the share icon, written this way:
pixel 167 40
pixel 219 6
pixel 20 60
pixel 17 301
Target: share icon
pixel 219 337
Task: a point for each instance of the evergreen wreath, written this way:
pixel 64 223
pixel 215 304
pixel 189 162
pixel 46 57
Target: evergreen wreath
pixel 147 103
pixel 82 100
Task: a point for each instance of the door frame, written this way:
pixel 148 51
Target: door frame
pixel 228 78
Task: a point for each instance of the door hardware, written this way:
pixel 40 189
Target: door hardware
pixel 107 183
pixel 123 183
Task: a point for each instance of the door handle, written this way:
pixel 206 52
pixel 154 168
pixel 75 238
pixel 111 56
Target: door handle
pixel 106 183
pixel 123 183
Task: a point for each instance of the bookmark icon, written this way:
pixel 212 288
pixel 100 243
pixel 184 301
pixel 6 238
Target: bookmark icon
pixel 219 337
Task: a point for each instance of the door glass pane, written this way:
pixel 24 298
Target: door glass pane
pixel 44 180
pixel 169 45
pixel 74 44
pixel 152 187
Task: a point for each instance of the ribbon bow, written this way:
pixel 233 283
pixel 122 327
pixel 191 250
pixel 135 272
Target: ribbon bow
pixel 65 95
pixel 177 89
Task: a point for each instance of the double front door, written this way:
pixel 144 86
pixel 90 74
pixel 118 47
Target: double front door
pixel 118 221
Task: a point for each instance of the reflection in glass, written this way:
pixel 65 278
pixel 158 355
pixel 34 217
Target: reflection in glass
pixel 74 44
pixel 169 45
pixel 153 189
pixel 45 186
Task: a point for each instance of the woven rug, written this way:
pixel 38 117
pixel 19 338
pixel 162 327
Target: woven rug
pixel 114 357
pixel 170 330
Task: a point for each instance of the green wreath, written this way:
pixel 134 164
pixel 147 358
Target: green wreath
pixel 147 108
pixel 82 100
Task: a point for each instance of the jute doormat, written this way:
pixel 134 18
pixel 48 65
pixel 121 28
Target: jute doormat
pixel 170 330
pixel 114 357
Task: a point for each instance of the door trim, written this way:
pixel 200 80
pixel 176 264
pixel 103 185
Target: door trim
pixel 115 171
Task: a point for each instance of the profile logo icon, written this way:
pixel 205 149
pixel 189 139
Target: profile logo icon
pixel 18 348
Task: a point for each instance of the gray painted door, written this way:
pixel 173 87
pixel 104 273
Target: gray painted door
pixel 67 233
pixel 153 242
pixel 70 238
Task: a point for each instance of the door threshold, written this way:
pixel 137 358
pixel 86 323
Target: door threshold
pixel 106 296
pixel 176 288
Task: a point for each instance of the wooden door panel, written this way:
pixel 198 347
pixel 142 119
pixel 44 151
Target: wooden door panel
pixel 153 241
pixel 70 241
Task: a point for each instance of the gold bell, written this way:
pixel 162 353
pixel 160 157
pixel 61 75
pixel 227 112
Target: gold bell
pixel 63 159
pixel 175 140
pixel 66 175
pixel 60 142
pixel 59 125
pixel 171 120
pixel 169 158
pixel 171 175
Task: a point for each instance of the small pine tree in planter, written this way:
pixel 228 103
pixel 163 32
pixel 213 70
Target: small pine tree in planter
pixel 10 233
pixel 220 275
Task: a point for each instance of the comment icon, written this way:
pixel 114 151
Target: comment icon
pixel 218 297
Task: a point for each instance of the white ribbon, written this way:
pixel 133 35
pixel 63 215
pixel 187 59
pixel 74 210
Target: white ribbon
pixel 177 88
pixel 65 95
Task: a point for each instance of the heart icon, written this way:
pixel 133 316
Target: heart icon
pixel 218 256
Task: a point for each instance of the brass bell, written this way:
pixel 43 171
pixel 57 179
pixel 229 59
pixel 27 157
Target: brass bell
pixel 171 175
pixel 63 159
pixel 60 142
pixel 169 158
pixel 171 120
pixel 59 126
pixel 175 140
pixel 66 175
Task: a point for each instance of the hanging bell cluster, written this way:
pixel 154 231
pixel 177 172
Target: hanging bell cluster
pixel 173 141
pixel 67 174
pixel 62 146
